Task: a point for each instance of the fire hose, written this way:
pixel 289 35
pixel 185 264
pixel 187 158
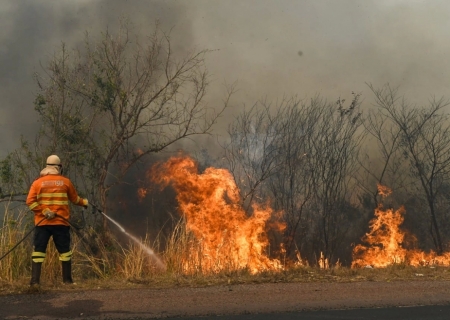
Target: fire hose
pixel 96 208
pixel 76 229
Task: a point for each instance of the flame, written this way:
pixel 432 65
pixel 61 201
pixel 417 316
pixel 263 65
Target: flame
pixel 323 262
pixel 383 190
pixel 142 192
pixel 384 242
pixel 210 203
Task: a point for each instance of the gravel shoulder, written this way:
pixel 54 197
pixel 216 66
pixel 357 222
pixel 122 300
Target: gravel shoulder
pixel 148 303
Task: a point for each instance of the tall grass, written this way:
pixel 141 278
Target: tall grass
pixel 18 228
pixel 185 254
pixel 95 259
pixel 137 263
pixel 14 227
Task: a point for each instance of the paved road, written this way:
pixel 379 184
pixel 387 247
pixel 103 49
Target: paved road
pixel 353 300
pixel 393 313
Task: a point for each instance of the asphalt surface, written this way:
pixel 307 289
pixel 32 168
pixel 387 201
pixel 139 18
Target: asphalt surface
pixel 410 313
pixel 352 300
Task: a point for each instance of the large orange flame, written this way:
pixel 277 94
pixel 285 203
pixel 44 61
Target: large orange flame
pixel 384 242
pixel 210 203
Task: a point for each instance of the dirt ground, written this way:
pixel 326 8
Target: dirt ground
pixel 148 303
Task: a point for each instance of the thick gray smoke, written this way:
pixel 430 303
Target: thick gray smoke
pixel 271 48
pixel 31 31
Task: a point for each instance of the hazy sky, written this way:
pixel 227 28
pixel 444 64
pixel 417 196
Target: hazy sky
pixel 271 48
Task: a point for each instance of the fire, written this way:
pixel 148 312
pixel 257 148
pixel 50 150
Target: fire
pixel 210 203
pixel 383 190
pixel 142 192
pixel 385 239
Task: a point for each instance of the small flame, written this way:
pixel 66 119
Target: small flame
pixel 323 262
pixel 210 204
pixel 383 190
pixel 142 192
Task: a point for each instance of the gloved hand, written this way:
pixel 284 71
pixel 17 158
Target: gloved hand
pixel 48 214
pixel 85 203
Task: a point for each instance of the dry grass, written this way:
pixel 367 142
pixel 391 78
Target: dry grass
pixel 303 274
pixel 13 230
pixel 109 265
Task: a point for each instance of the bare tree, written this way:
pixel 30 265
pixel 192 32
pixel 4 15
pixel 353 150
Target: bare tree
pixel 252 153
pixel 425 143
pixel 291 187
pixel 383 165
pixel 333 149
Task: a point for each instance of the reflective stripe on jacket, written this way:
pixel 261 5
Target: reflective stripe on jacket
pixel 52 191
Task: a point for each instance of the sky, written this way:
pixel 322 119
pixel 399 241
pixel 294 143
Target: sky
pixel 268 49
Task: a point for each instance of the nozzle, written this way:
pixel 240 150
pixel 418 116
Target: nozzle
pixel 95 208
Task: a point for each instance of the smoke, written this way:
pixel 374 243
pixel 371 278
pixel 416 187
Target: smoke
pixel 343 44
pixel 32 31
pixel 269 48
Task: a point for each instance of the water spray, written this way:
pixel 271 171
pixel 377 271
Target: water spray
pixel 146 249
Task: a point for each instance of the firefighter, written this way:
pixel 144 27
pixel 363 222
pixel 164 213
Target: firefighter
pixel 49 198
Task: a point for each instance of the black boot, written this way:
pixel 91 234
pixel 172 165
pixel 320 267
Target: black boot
pixel 67 272
pixel 35 273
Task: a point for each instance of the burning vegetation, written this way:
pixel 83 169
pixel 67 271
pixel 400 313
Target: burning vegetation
pixel 225 237
pixel 384 243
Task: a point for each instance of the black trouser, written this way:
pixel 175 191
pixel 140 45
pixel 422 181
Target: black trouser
pixel 61 238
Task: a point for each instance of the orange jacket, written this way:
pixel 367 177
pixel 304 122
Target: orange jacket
pixel 52 191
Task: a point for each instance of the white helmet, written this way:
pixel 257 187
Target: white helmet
pixel 53 160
